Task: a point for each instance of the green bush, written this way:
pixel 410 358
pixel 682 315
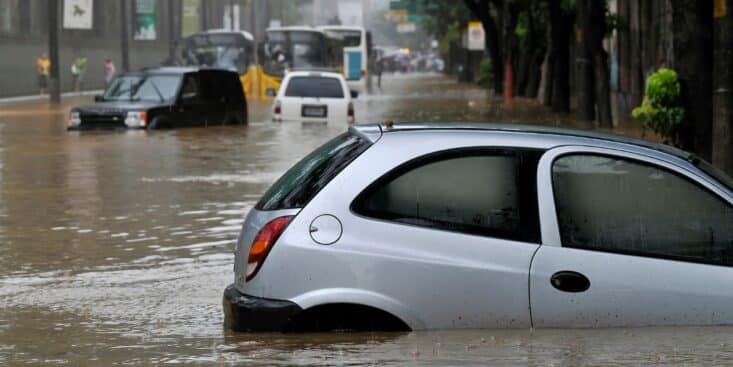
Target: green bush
pixel 485 76
pixel 661 111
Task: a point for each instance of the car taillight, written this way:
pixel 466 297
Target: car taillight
pixel 278 108
pixel 350 113
pixel 265 238
pixel 363 73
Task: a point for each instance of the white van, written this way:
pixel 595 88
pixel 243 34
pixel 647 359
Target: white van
pixel 314 96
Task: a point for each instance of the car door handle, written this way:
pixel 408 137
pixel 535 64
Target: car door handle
pixel 570 281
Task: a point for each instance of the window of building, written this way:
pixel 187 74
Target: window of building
pixel 624 206
pixel 476 191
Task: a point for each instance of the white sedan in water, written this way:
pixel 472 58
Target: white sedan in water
pixel 418 226
pixel 313 96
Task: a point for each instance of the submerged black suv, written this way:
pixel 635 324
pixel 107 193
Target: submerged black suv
pixel 165 97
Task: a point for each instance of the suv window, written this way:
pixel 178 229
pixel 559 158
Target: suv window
pixel 316 87
pixel 475 191
pixel 304 180
pixel 618 205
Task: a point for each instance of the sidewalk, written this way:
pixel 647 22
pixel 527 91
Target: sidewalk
pixel 36 97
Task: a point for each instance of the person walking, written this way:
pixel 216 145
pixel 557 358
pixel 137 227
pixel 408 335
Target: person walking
pixel 109 72
pixel 78 69
pixel 43 65
pixel 379 69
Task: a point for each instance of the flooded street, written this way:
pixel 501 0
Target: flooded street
pixel 115 247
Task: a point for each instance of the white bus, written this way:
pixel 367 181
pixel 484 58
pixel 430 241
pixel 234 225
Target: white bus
pixel 357 52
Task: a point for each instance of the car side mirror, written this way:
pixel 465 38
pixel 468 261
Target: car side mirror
pixel 354 94
pixel 270 92
pixel 99 98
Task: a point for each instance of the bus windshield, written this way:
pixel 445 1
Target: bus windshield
pixel 294 49
pixel 351 38
pixel 226 51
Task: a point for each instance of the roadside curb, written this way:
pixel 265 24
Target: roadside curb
pixel 33 98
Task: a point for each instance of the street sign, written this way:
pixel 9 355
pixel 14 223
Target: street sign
pixel 395 15
pixel 78 14
pixel 406 27
pixel 145 20
pixel 476 35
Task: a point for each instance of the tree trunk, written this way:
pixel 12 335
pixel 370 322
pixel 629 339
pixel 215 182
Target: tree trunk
pixel 584 39
pixel 528 57
pixel 602 81
pixel 481 10
pixel 535 71
pixel 508 41
pixel 603 89
pixel 547 78
pixel 560 26
pixel 723 87
pixel 693 60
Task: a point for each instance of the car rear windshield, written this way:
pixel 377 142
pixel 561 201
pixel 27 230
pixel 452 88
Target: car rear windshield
pixel 316 87
pixel 304 180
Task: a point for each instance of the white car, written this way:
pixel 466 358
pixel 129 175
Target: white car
pixel 314 96
pixel 442 226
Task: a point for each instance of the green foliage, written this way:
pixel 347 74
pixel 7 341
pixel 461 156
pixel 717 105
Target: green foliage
pixel 485 76
pixel 661 111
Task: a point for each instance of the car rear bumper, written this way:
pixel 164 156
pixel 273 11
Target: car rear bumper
pixel 247 313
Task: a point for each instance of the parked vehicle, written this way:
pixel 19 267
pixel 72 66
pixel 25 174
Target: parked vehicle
pixel 486 226
pixel 314 96
pixel 165 98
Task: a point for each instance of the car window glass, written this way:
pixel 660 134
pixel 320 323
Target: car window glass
pixel 304 180
pixel 157 88
pixel 190 90
pixel 316 87
pixel 479 193
pixel 618 205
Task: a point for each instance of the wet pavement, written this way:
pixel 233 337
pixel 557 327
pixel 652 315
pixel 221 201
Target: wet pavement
pixel 115 247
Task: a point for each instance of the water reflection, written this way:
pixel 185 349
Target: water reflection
pixel 116 246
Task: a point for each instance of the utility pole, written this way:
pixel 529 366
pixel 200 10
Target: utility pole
pixel 253 29
pixel 231 15
pixel 53 50
pixel 723 85
pixel 174 28
pixel 125 34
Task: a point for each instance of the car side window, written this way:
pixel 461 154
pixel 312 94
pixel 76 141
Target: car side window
pixel 190 89
pixel 623 206
pixel 476 191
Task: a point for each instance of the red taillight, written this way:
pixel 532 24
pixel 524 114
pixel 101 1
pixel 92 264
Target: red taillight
pixel 278 108
pixel 350 112
pixel 265 238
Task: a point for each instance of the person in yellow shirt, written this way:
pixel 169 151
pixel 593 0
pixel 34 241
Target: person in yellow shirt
pixel 43 65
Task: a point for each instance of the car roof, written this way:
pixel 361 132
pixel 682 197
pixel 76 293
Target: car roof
pixel 248 36
pixel 341 28
pixel 175 70
pixel 571 136
pixel 315 73
pixel 293 28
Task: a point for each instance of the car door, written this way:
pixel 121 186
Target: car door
pixel 450 236
pixel 213 87
pixel 629 240
pixel 190 106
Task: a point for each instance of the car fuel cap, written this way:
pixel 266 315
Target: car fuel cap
pixel 325 229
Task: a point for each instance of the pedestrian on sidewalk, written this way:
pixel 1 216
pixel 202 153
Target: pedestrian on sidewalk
pixel 379 69
pixel 109 72
pixel 78 69
pixel 43 65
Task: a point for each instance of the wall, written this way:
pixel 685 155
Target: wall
pixel 25 38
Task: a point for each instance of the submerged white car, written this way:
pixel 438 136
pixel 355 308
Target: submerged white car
pixel 415 226
pixel 314 96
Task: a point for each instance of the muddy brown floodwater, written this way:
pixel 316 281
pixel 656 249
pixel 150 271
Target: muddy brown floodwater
pixel 115 247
